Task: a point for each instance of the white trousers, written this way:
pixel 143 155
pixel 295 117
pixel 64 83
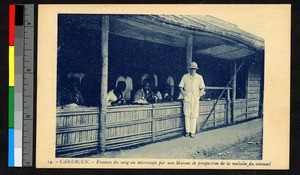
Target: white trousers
pixel 190 124
pixel 191 112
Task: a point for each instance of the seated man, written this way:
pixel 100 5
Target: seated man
pixel 168 94
pixel 157 91
pixel 145 93
pixel 116 96
pixel 72 94
pixel 170 83
pixel 129 85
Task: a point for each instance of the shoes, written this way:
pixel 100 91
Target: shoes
pixel 189 134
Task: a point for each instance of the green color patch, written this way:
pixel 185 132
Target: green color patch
pixel 11 107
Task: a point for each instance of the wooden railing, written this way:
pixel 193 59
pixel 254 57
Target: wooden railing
pixel 130 125
pixel 76 131
pixel 219 116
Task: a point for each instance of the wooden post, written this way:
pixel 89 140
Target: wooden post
pixel 233 94
pixel 261 89
pixel 189 51
pixel 104 81
pixel 228 107
pixel 247 96
pixel 153 123
pixel 215 122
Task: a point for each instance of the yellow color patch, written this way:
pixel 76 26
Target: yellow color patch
pixel 11 63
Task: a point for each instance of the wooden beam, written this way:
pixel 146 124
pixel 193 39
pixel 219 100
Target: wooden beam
pixel 131 29
pixel 233 86
pixel 261 93
pixel 171 29
pixel 228 104
pixel 174 30
pixel 143 25
pixel 141 31
pixel 218 50
pixel 153 124
pixel 219 31
pixel 217 88
pixel 104 81
pixel 214 114
pixel 247 92
pixel 241 53
pixel 189 50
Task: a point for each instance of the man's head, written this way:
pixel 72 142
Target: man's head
pixel 146 84
pixel 192 68
pixel 121 86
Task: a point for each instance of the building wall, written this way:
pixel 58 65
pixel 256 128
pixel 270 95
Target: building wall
pixel 255 89
pixel 251 105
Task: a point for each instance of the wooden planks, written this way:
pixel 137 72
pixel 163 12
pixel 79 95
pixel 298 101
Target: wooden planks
pixel 76 131
pixel 218 118
pixel 240 110
pixel 135 123
pixel 169 120
pixel 128 126
pixel 250 107
pixel 254 90
pixel 132 125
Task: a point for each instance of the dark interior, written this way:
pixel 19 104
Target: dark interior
pixel 79 53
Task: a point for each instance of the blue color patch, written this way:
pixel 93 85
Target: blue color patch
pixel 11 156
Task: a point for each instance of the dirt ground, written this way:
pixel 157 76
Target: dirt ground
pixel 240 141
pixel 249 149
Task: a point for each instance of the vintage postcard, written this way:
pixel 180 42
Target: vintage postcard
pixel 163 86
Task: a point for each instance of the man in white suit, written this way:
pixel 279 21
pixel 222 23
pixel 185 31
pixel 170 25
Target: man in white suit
pixel 192 88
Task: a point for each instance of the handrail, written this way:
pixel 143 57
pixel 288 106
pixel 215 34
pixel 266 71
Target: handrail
pixel 217 88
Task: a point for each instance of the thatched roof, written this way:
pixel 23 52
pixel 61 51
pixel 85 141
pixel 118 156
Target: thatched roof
pixel 215 26
pixel 211 36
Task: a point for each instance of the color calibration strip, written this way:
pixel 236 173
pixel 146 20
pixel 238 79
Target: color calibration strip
pixel 21 50
pixel 11 147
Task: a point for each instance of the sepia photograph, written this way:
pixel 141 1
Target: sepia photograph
pixel 148 89
pixel 158 86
